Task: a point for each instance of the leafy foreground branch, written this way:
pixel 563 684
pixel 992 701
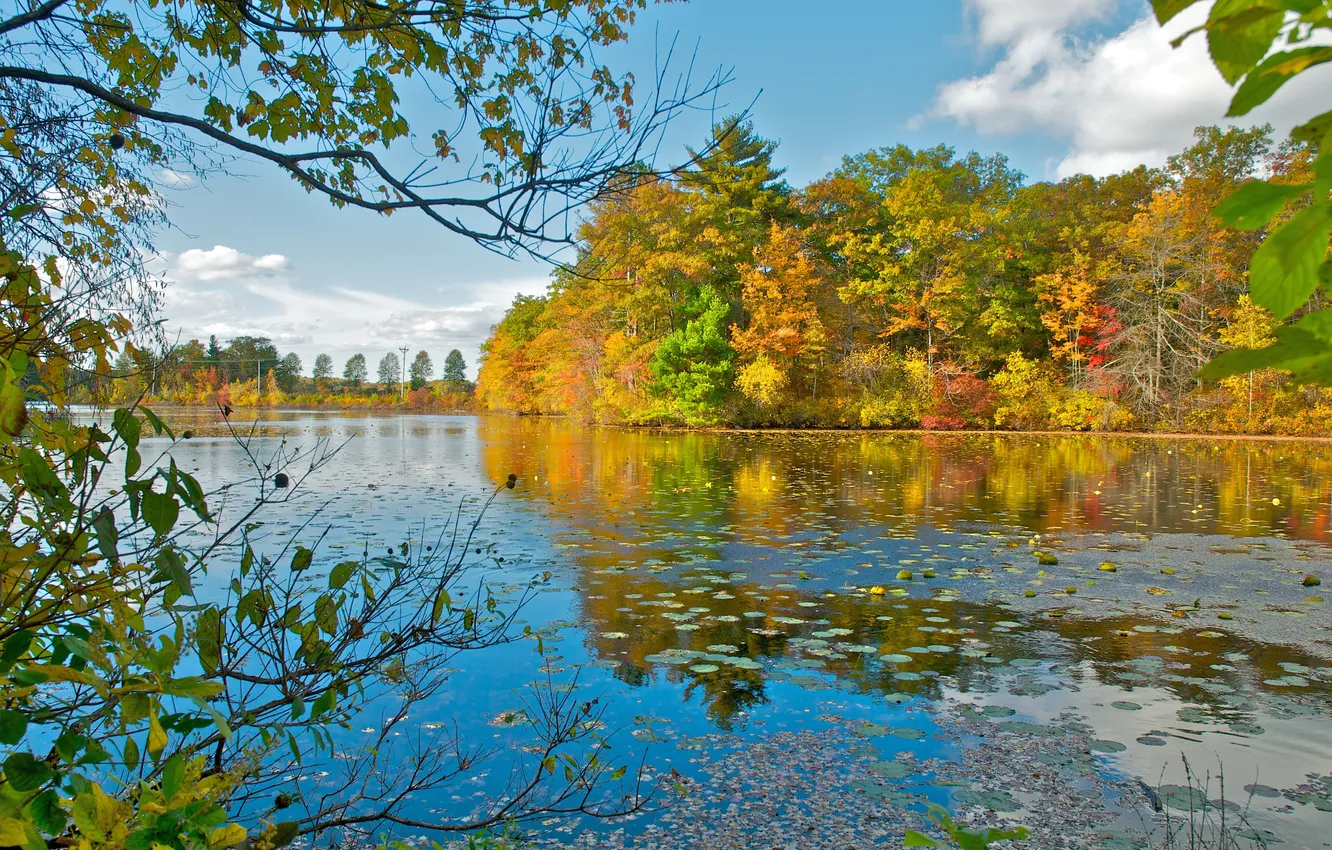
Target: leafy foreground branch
pixel 1259 46
pixel 148 702
pixel 494 118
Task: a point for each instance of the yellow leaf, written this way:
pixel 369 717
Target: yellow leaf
pixel 157 736
pixel 227 836
pixel 12 833
pixel 88 206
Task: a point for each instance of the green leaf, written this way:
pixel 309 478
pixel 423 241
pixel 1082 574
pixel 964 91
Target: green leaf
pixel 301 560
pixel 1315 370
pixel 326 702
pixel 1323 170
pixel 285 832
pixel 13 726
pixel 130 753
pixel 210 636
pixel 160 511
pixel 223 728
pixel 1254 204
pixel 326 614
pixel 916 839
pixel 341 574
pixel 173 775
pixel 46 813
pixel 1165 10
pixel 1318 323
pixel 1284 270
pixel 1294 346
pixel 1314 131
pixel 15 646
pixel 1240 33
pixel 442 600
pixel 108 535
pixel 171 568
pixel 159 427
pixel 25 772
pixel 1275 71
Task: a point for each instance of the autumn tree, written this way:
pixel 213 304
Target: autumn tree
pixel 925 271
pixel 737 192
pixel 505 378
pixel 1161 302
pixel 1250 327
pixel 784 338
pixel 1071 311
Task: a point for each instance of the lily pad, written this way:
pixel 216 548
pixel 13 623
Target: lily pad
pixel 999 801
pixel 892 769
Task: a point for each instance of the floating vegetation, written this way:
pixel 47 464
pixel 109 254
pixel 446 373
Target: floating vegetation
pixel 764 630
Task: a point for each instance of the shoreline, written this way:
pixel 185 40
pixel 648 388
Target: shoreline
pixel 725 429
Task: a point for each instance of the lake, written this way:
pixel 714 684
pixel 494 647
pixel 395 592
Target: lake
pixel 817 630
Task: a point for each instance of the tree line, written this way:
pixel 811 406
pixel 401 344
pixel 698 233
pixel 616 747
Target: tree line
pixel 911 288
pixel 206 373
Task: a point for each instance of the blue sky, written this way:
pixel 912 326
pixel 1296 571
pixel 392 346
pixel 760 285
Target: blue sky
pixel 1060 86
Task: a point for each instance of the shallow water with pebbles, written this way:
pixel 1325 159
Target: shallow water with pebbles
pixel 818 633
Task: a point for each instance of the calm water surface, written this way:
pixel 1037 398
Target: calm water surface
pixel 748 583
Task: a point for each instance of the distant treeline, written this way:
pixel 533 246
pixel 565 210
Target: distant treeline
pixel 250 371
pixel 909 288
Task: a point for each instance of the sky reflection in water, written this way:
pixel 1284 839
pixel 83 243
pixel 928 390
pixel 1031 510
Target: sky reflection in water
pixel 707 582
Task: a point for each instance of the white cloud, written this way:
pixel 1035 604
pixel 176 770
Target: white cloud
pixel 237 295
pixel 1003 21
pixel 223 263
pixel 175 178
pixel 1117 101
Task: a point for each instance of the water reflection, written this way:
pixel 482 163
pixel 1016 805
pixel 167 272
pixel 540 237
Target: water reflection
pixel 742 582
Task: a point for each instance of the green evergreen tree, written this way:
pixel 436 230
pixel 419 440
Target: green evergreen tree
pixel 739 194
pixel 693 368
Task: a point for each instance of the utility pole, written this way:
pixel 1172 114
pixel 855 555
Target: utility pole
pixel 402 371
